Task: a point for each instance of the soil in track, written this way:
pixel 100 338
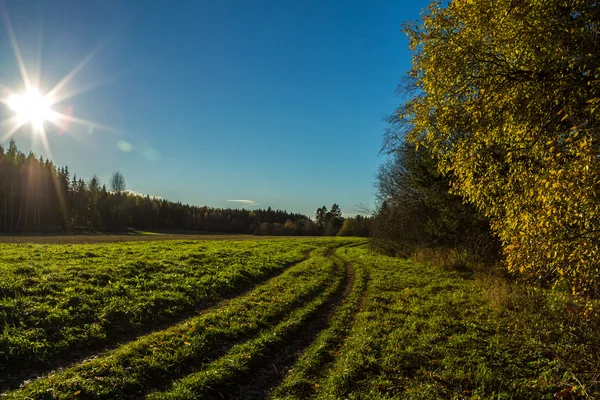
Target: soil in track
pixel 259 384
pixel 29 373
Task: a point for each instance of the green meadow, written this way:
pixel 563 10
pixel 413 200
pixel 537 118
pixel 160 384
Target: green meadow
pixel 302 318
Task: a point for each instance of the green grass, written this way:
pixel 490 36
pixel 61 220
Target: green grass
pixel 376 327
pixel 304 378
pixel 221 375
pixel 426 332
pixel 155 359
pixel 59 299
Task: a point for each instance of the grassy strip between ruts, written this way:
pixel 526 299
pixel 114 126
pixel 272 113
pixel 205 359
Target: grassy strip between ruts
pixel 220 376
pixel 306 375
pixel 56 299
pixel 153 361
pixel 429 333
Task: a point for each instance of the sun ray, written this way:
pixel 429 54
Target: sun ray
pixel 66 95
pixel 15 46
pixel 95 125
pixel 53 92
pixel 7 120
pixel 44 140
pixel 61 199
pixel 16 126
pixel 65 129
pixel 6 90
pixel 37 70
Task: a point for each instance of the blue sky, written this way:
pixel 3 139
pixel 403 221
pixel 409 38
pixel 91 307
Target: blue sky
pixel 278 102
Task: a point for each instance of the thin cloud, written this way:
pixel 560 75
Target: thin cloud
pixel 133 192
pixel 246 203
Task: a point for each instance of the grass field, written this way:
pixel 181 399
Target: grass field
pixel 281 319
pixel 141 236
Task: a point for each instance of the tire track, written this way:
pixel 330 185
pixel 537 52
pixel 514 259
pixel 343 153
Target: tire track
pixel 28 374
pixel 272 370
pixel 312 367
pixel 222 346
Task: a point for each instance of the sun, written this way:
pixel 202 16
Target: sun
pixel 32 107
pixel 37 108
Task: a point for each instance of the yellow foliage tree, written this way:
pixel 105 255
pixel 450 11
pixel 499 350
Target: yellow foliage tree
pixel 289 225
pixel 506 98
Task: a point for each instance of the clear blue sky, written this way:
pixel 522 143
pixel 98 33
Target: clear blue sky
pixel 278 102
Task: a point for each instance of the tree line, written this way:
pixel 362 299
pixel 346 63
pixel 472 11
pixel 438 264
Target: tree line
pixel 37 196
pixel 332 223
pixel 499 138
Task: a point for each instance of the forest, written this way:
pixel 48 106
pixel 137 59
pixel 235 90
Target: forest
pixel 37 196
